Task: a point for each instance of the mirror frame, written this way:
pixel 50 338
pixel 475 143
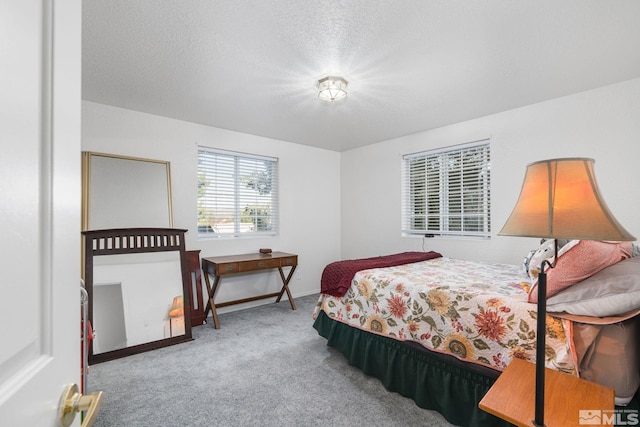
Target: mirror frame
pixel 133 241
pixel 88 192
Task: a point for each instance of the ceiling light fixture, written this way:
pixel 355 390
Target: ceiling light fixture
pixel 332 89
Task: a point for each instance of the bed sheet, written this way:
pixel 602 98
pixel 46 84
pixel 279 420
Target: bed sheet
pixel 475 311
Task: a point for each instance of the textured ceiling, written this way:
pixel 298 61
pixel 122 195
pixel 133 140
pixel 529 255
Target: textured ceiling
pixel 413 65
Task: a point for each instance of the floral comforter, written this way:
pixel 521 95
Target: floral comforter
pixel 475 311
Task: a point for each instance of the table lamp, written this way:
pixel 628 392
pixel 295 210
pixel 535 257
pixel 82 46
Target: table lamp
pixel 177 307
pixel 559 199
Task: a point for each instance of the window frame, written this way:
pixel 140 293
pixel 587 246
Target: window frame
pixel 244 201
pixel 458 202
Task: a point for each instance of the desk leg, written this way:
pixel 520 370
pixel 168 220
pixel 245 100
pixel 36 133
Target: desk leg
pixel 285 286
pixel 211 305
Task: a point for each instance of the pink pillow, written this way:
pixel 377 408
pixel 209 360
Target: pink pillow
pixel 583 260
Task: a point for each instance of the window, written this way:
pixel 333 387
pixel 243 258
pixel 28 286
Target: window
pixel 237 194
pixel 446 192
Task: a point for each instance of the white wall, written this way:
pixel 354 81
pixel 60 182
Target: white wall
pixel 603 124
pixel 309 191
pixel 347 205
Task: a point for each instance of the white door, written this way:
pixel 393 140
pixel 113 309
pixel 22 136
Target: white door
pixel 40 70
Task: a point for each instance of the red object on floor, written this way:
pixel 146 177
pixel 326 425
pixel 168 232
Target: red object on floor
pixel 88 338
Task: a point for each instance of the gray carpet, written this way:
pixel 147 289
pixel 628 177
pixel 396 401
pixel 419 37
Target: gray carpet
pixel 266 366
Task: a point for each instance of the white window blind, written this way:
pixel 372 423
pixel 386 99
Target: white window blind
pixel 446 192
pixel 237 194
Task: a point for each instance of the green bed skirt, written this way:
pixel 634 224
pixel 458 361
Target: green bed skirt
pixel 431 380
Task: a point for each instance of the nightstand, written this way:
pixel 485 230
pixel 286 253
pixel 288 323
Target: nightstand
pixel 567 398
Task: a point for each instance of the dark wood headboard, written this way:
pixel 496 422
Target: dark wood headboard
pixel 133 240
pixel 119 241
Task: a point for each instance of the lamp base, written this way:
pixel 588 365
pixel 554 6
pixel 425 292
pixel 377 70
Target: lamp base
pixel 541 333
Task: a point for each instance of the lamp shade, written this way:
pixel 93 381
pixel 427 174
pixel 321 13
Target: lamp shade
pixel 560 200
pixel 177 307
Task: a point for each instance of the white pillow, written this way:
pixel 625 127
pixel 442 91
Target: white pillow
pixel 612 291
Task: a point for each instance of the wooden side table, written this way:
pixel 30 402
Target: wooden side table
pixel 567 398
pixel 234 264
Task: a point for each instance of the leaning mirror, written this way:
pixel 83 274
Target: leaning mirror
pixel 125 192
pixel 136 298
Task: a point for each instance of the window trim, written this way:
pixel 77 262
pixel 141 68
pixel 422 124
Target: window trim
pixel 408 205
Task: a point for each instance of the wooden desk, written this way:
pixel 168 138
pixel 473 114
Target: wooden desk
pixel 512 397
pixel 234 264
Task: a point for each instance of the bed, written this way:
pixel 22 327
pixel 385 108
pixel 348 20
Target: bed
pixel 440 330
